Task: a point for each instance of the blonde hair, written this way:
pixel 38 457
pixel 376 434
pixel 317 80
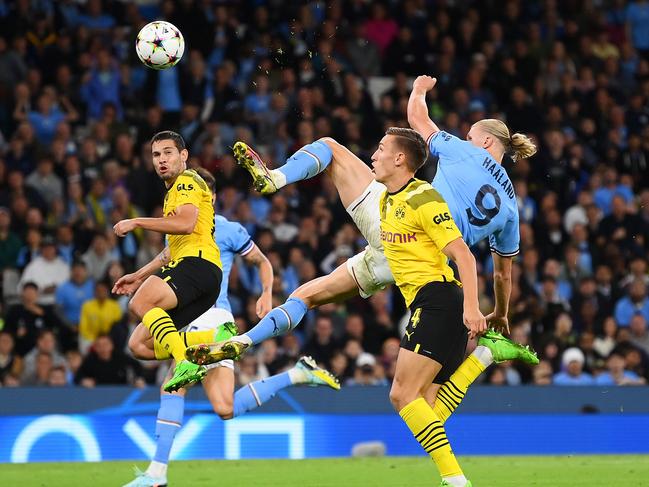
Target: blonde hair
pixel 517 146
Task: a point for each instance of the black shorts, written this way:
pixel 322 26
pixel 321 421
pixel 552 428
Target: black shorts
pixel 196 283
pixel 436 329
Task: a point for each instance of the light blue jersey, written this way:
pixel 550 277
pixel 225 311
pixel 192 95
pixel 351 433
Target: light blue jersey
pixel 232 239
pixel 478 192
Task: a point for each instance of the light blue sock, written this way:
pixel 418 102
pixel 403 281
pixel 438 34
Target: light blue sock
pixel 257 393
pixel 307 162
pixel 169 421
pixel 279 321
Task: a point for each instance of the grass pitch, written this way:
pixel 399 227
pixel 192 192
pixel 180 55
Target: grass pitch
pixel 550 471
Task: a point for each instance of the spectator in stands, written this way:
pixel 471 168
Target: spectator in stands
pixel 101 85
pixel 99 256
pixel 10 243
pixel 322 344
pixel 10 361
pixel 573 374
pixel 47 271
pixel 57 377
pixel 46 345
pixel 26 319
pixel 605 342
pixel 616 374
pixel 542 374
pixel 106 366
pixel 98 316
pixel 636 302
pixel 368 372
pixel 639 333
pixel 71 295
pixel 42 368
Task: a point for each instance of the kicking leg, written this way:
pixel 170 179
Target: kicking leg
pixel 350 175
pixel 337 286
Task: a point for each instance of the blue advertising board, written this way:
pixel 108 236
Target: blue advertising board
pixel 97 437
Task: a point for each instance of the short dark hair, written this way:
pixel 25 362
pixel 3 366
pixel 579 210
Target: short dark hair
pixel 207 177
pixel 413 144
pixel 170 135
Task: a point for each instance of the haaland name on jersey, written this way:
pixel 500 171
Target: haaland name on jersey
pixel 499 175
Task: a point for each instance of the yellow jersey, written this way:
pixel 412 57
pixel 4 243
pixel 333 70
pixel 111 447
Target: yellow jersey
pixel 98 318
pixel 189 188
pixel 416 224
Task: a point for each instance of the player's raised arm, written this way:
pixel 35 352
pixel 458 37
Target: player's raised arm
pixel 418 117
pixel 258 259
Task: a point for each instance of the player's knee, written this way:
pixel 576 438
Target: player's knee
pixel 137 347
pixel 303 294
pixel 331 142
pixel 223 408
pixel 400 396
pixel 136 307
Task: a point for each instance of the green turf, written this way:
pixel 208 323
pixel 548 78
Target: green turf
pixel 568 471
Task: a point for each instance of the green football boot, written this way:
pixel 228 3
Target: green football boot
pixel 185 373
pixel 196 353
pixel 446 484
pixel 225 331
pixel 262 178
pixel 504 349
pixel 205 354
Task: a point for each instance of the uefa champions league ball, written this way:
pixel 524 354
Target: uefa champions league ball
pixel 159 45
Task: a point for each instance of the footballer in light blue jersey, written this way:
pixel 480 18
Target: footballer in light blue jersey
pixel 476 186
pixel 478 192
pixel 232 239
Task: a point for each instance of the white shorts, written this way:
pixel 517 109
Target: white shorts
pixel 211 320
pixel 369 268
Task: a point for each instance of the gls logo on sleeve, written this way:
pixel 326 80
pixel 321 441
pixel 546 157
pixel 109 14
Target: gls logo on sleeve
pixel 185 187
pixel 442 217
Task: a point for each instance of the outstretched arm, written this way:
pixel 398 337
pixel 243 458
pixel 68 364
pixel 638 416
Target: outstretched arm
pixel 258 259
pixel 181 222
pixel 502 291
pixel 418 117
pixel 129 283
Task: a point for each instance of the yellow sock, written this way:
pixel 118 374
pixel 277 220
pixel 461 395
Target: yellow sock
pixel 452 391
pixel 198 337
pixel 164 332
pixel 160 351
pixel 429 432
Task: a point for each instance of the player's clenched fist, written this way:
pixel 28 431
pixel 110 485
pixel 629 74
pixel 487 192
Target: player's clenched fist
pixel 122 227
pixel 424 83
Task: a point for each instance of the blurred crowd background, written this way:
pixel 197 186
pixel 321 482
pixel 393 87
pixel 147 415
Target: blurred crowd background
pixel 77 110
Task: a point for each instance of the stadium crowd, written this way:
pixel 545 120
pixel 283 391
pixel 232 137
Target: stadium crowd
pixel 77 110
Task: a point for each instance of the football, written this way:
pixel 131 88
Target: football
pixel 159 45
